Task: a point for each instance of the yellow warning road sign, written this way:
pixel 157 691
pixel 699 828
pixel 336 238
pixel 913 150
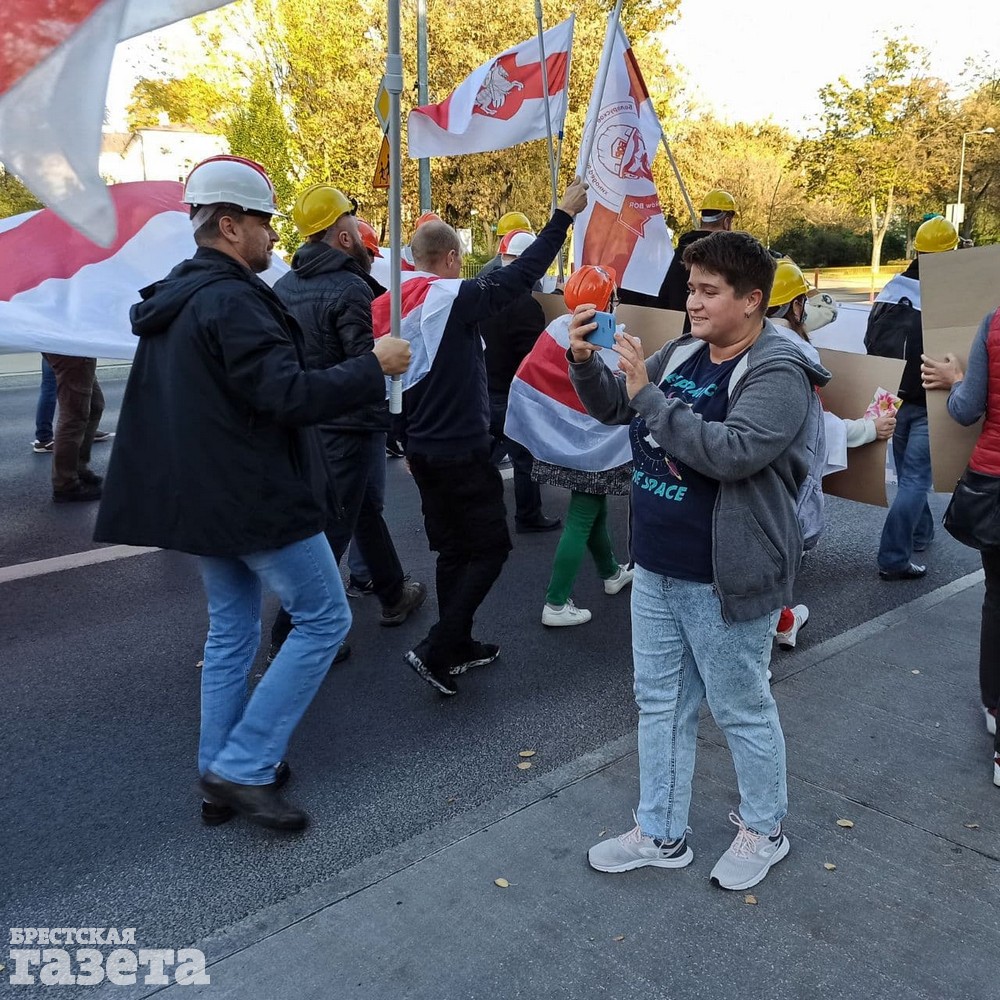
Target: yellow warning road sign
pixel 381 178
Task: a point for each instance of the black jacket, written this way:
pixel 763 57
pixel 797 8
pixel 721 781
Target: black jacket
pixel 509 336
pixel 330 295
pixel 895 330
pixel 673 291
pixel 447 413
pixel 214 454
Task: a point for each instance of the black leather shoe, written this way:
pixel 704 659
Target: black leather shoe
pixel 911 572
pixel 214 814
pixel 540 523
pixel 82 492
pixel 89 478
pixel 343 653
pixel 261 804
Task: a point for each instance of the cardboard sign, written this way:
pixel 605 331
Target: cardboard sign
pixel 848 393
pixel 956 290
pixel 654 327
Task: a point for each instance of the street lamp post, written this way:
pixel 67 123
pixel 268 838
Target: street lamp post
pixel 961 164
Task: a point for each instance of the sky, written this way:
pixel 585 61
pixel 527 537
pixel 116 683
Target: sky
pixel 748 60
pixel 752 59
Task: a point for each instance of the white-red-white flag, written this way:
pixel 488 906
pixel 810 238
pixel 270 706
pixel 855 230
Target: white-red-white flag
pixel 426 303
pixel 500 104
pixel 55 58
pixel 623 225
pixel 61 293
pixel 545 414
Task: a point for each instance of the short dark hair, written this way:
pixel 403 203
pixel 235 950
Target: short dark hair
pixel 739 258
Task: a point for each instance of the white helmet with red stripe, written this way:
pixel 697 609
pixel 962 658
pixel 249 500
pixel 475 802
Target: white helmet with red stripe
pixel 230 180
pixel 516 242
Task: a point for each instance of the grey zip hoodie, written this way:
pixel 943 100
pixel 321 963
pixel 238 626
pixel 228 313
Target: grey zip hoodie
pixel 759 454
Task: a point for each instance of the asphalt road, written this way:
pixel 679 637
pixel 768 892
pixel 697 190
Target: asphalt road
pixel 100 826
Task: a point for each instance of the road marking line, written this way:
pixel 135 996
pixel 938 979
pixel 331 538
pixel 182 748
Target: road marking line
pixel 74 560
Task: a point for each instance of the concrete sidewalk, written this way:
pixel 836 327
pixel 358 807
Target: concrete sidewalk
pixel 883 727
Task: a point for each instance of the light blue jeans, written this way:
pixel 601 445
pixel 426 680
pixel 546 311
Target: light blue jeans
pixel 909 522
pixel 683 652
pixel 243 736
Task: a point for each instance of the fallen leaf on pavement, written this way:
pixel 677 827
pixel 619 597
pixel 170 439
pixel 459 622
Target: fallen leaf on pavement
pixel 618 937
pixel 751 900
pixel 971 826
pixel 524 765
pixel 914 671
pixel 502 882
pixel 527 753
pixel 846 823
pixel 829 867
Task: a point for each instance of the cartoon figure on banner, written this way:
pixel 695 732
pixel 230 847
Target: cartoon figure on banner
pixel 493 93
pixel 622 152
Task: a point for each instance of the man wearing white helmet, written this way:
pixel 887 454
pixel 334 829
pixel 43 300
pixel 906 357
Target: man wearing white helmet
pixel 215 456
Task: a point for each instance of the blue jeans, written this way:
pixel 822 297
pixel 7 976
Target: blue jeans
pixel 909 521
pixel 683 652
pixel 46 410
pixel 244 735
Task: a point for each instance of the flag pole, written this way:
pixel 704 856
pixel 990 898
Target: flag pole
pixel 680 182
pixel 590 134
pixel 394 85
pixel 548 111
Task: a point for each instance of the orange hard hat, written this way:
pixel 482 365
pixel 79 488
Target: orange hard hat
pixel 505 243
pixel 369 238
pixel 426 217
pixel 596 283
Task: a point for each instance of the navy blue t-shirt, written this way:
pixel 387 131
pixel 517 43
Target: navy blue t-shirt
pixel 672 504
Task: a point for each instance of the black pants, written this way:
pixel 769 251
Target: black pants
pixel 349 458
pixel 466 524
pixel 527 494
pixel 989 636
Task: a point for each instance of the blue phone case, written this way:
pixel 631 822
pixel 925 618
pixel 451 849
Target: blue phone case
pixel 604 335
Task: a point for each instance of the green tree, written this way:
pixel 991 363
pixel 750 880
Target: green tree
pixel 15 198
pixel 190 101
pixel 882 142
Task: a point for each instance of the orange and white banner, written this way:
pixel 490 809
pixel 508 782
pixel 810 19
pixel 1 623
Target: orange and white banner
pixel 623 225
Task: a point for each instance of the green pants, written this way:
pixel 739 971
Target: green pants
pixel 586 527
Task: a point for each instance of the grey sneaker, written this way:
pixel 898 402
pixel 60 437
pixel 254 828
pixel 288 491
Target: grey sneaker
pixel 414 595
pixel 749 857
pixel 635 850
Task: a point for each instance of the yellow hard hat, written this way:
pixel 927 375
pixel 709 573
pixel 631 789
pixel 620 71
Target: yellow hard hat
pixel 935 236
pixel 318 208
pixel 789 284
pixel 513 220
pixel 718 200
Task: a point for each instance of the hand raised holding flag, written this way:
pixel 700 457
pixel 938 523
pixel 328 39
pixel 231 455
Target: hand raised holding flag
pixel 574 198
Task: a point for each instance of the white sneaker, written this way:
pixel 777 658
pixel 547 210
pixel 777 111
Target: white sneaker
pixel 635 850
pixel 568 614
pixel 786 639
pixel 991 720
pixel 749 857
pixel 996 769
pixel 620 580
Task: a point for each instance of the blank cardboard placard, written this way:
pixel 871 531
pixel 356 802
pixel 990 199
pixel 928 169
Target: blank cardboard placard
pixel 654 327
pixel 956 291
pixel 848 393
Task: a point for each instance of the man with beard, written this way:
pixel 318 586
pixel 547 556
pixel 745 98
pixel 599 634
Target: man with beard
pixel 329 290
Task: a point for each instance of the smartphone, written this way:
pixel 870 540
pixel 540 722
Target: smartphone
pixel 604 335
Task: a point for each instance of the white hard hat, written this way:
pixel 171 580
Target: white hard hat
pixel 517 244
pixel 230 180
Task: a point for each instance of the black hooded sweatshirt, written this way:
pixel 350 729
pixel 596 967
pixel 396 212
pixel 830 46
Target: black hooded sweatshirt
pixel 214 453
